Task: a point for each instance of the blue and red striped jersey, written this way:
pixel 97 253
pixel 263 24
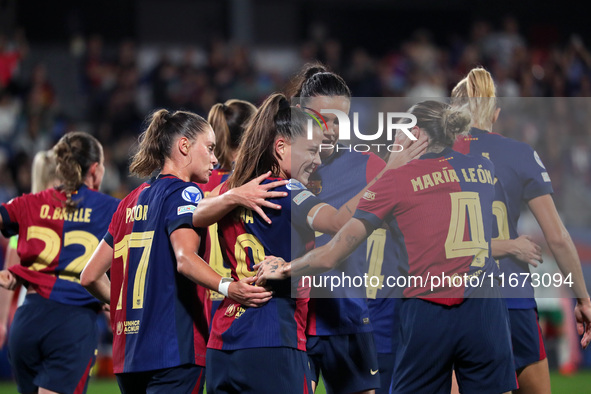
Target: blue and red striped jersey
pixel 443 206
pixel 246 239
pixel 159 317
pixel 218 176
pixel 521 177
pixel 212 253
pixel 54 245
pixel 346 310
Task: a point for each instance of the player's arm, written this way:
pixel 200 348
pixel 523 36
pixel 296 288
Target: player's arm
pixel 94 276
pixel 8 281
pixel 5 300
pixel 185 242
pixel 522 248
pixel 319 260
pixel 251 195
pixel 329 220
pixel 567 258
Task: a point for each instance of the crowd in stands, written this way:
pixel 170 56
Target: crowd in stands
pixel 117 88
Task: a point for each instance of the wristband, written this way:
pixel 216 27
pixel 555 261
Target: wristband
pixel 224 285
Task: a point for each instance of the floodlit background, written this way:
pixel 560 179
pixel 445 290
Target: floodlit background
pixel 102 66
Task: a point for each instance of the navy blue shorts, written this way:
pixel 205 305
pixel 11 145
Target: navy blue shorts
pixel 386 363
pixel 526 336
pixel 473 338
pixel 258 371
pixel 52 345
pixel 348 363
pixel 184 379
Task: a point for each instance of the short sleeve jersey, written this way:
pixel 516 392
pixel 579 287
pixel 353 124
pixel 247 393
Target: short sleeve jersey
pixel 54 245
pixel 346 310
pixel 158 317
pixel 246 239
pixel 443 205
pixel 521 176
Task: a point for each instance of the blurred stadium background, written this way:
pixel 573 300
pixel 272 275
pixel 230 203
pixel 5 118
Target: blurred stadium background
pixel 103 66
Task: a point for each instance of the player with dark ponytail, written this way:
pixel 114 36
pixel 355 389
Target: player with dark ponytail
pixel 228 121
pixel 276 143
pixel 346 319
pixel 442 204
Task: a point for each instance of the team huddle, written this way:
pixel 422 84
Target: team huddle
pixel 201 267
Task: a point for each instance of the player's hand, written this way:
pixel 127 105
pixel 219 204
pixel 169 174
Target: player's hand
pixel 272 268
pixel 8 280
pixel 246 294
pixel 527 250
pixel 253 195
pixel 583 317
pixel 410 149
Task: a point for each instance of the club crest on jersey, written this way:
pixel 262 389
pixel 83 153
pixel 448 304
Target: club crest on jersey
pixel 315 186
pixel 294 185
pixel 192 194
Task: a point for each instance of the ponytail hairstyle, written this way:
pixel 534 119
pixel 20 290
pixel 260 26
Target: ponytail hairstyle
pixel 315 80
pixel 44 171
pixel 256 154
pixel 478 92
pixel 441 122
pixel 229 121
pixel 155 143
pixel 74 153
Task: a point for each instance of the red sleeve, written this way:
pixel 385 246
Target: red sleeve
pixel 378 201
pixel 374 165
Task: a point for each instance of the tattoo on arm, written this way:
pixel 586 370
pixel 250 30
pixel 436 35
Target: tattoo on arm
pixel 351 240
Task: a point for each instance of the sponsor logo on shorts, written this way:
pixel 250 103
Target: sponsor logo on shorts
pixel 185 209
pixel 372 371
pixel 191 194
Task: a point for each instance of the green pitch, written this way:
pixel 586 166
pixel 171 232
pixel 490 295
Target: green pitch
pixel 576 384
